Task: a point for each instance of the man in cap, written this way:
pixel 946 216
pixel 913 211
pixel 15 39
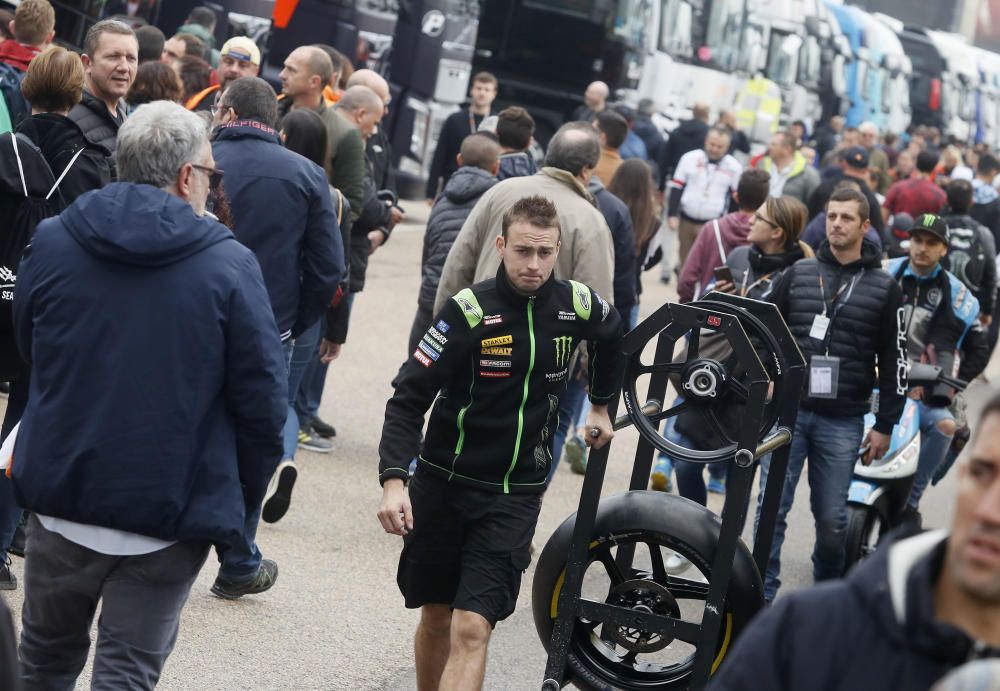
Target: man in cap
pixel 853 163
pixel 239 57
pixel 939 314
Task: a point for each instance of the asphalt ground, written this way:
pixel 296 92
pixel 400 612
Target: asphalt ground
pixel 335 618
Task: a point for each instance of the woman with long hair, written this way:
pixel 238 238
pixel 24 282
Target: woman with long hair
pixel 304 132
pixel 155 81
pixel 774 246
pixel 633 184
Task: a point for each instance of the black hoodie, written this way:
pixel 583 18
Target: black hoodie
pixel 874 630
pixel 687 136
pixel 60 139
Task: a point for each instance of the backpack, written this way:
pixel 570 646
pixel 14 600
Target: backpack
pixel 23 212
pixel 18 107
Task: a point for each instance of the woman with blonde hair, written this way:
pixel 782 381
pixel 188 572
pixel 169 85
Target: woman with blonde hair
pixel 53 84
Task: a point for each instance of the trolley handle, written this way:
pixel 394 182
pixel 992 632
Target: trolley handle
pixel 652 407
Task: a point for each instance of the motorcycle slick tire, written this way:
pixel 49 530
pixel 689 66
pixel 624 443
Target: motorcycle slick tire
pixel 671 522
pixel 859 540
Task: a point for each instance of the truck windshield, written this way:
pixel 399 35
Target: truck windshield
pixel 725 31
pixel 783 58
pixel 675 28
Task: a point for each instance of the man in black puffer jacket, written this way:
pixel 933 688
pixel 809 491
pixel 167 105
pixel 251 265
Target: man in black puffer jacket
pixel 844 312
pixel 906 616
pixel 478 163
pixel 110 58
pixel 971 249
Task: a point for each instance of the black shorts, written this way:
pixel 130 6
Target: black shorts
pixel 468 547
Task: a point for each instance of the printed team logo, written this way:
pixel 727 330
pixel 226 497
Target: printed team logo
pixel 556 376
pixel 421 358
pixel 493 319
pixel 497 364
pixel 564 346
pixel 427 341
pixel 497 341
pixel 934 297
pixel 437 336
pixel 489 374
pixel 583 293
pixel 442 326
pixel 605 307
pixel 468 307
pixel 499 345
pixel 430 352
pixel 566 316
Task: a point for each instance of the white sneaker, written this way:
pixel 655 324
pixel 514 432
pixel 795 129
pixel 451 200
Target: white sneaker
pixel 278 497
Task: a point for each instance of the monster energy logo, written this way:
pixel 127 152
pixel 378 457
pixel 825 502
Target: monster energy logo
pixel 564 346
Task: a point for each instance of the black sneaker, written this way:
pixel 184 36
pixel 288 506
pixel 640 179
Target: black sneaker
pixel 266 576
pixel 278 497
pixel 8 581
pixel 323 429
pixel 17 542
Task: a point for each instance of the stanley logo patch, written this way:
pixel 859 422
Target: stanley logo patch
pixel 498 341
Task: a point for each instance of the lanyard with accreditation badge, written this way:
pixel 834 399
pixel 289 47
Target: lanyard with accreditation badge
pixel 824 370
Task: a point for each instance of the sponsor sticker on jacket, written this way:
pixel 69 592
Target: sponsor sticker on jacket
pixel 421 358
pixel 430 352
pixel 492 374
pixel 437 336
pixel 564 347
pixel 492 319
pixel 566 316
pixel 431 343
pixel 442 326
pixel 502 364
pixel 497 341
pixel 507 352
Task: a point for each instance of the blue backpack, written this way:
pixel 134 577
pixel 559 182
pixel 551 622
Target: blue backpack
pixel 18 107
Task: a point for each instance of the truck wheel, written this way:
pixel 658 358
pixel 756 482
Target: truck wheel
pixel 664 530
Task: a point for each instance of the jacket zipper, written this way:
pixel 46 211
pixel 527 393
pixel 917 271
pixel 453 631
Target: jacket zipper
pixel 461 424
pixel 524 395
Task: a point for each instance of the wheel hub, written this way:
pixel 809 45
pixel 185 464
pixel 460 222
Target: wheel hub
pixel 648 597
pixel 703 379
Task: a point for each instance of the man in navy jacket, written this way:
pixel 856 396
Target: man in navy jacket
pixel 282 211
pixel 154 353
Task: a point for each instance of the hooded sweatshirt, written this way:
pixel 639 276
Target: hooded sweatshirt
pixel 704 255
pixel 17 55
pixel 873 630
pixel 128 292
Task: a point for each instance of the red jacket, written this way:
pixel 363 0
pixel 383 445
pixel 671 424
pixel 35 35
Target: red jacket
pixel 704 254
pixel 16 54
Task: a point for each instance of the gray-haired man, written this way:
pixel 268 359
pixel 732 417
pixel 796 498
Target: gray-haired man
pixel 154 349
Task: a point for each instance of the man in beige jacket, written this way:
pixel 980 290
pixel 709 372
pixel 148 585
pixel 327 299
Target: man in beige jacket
pixel 587 253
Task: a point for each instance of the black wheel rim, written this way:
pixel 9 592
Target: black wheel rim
pixel 595 648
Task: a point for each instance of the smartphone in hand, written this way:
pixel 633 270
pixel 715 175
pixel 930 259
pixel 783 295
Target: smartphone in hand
pixel 723 273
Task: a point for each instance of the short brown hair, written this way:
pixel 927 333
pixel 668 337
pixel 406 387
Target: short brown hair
pixel 846 194
pixel 515 127
pixel 192 45
pixel 752 189
pixel 54 81
pixel 105 26
pixel 195 74
pixel 538 211
pixel 790 215
pixel 155 81
pixel 34 21
pixel 480 150
pixel 485 78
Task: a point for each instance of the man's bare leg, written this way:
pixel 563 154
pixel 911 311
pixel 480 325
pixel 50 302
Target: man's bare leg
pixel 431 645
pixel 470 636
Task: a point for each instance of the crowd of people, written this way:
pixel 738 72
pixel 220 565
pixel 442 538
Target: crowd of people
pixel 163 191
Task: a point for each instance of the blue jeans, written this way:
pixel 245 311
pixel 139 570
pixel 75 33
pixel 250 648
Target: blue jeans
pixel 934 445
pixel 241 561
pixel 311 389
pixel 831 444
pixel 302 355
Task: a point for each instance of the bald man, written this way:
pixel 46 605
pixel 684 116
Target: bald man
pixel 306 73
pixel 595 100
pixel 377 147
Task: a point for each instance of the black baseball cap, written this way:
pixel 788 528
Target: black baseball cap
pixel 931 223
pixel 856 157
